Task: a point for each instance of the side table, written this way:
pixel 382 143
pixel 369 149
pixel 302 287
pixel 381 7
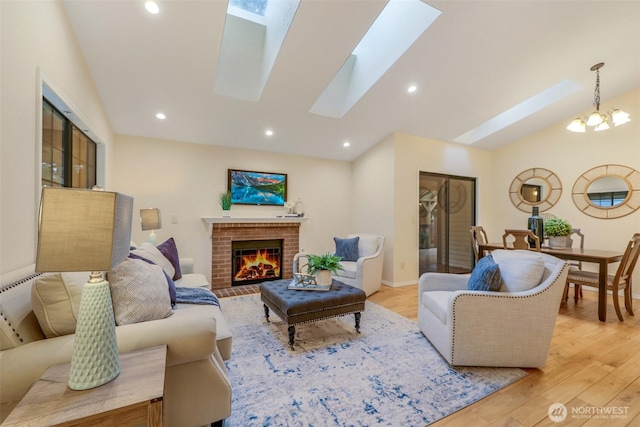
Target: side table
pixel 134 396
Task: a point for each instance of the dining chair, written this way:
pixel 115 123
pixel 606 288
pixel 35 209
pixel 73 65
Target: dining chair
pixel 478 237
pixel 520 239
pixel 575 265
pixel 620 281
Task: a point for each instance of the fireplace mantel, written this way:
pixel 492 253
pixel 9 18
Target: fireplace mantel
pixel 251 220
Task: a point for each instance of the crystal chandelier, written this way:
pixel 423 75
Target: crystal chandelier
pixel 596 119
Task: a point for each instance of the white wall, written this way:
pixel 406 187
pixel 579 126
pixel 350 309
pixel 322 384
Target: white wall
pixel 373 189
pixel 36 40
pixel 569 155
pixel 184 181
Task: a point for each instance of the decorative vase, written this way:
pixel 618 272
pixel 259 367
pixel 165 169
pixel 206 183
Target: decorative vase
pixel 323 277
pixel 535 223
pixel 298 209
pixel 560 242
pixel 226 213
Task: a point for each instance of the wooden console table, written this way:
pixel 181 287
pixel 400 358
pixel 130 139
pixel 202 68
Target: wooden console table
pixel 134 396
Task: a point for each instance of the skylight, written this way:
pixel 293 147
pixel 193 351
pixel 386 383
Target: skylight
pixel 251 43
pixel 524 109
pixel 254 6
pixel 397 27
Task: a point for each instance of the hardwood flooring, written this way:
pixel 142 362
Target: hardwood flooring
pixel 592 367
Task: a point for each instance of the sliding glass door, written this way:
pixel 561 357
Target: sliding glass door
pixel 447 210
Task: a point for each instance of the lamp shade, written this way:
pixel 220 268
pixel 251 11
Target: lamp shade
pixel 150 219
pixel 83 230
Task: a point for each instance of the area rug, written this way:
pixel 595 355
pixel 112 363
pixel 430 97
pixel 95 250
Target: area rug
pixel 388 375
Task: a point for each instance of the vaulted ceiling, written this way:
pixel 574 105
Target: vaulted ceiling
pixel 477 60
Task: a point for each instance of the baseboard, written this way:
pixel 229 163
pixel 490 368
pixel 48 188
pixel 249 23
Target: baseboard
pixel 590 289
pixel 399 284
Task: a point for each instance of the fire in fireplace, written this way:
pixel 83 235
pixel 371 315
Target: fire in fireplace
pixel 255 261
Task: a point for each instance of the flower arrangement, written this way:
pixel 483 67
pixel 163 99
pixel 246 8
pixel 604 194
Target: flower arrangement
pixel 557 227
pixel 326 261
pixel 225 200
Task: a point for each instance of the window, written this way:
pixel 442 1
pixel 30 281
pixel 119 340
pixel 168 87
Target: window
pixel 68 155
pixel 608 199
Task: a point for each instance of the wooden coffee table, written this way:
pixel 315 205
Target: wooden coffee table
pixel 301 306
pixel 134 396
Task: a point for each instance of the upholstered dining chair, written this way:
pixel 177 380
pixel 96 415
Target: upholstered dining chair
pixel 620 281
pixel 520 239
pixel 575 265
pixel 478 237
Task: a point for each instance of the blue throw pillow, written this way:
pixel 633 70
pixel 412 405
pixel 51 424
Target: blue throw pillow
pixel 347 248
pixel 485 276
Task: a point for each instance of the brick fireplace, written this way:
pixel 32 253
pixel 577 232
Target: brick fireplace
pixel 223 233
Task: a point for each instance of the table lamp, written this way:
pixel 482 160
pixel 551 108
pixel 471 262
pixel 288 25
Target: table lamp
pixel 150 220
pixel 84 230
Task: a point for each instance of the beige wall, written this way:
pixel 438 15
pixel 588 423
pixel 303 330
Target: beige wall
pixel 569 155
pixel 36 41
pixel 373 189
pixel 184 181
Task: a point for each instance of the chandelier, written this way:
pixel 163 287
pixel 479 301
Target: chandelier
pixel 597 119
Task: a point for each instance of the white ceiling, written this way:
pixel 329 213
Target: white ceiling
pixel 477 60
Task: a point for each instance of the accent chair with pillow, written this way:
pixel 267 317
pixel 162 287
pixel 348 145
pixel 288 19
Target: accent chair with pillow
pixel 502 314
pixel 362 258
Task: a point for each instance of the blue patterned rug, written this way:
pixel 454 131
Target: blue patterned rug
pixel 389 375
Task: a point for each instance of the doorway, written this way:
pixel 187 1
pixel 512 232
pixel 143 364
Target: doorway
pixel 447 208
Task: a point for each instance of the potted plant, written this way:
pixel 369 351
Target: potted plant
pixel 322 266
pixel 225 203
pixel 558 230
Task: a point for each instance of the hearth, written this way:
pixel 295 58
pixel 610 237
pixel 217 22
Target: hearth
pixel 255 261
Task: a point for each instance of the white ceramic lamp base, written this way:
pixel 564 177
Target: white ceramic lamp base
pixel 95 360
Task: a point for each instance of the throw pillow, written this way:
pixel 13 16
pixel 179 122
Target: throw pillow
pixel 149 251
pixel 169 249
pixel 170 283
pixel 347 248
pixel 55 299
pixel 139 292
pixel 520 271
pixel 485 275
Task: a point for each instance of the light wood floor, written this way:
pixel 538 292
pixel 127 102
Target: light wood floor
pixel 592 365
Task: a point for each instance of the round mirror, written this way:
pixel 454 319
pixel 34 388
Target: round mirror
pixel 607 191
pixel 535 187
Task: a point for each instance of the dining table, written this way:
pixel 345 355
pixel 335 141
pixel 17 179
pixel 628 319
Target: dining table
pixel 597 256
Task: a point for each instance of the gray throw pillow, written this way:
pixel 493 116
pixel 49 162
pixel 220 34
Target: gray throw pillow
pixel 485 276
pixel 347 248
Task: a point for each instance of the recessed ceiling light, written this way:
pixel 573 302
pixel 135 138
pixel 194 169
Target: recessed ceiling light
pixel 412 88
pixel 346 144
pixel 152 7
pixel 268 132
pixel 161 116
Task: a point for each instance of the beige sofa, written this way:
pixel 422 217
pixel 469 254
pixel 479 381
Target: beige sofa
pixel 197 386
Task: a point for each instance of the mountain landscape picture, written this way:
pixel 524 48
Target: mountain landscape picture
pixel 257 188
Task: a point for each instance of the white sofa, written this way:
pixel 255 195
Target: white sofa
pixel 197 386
pixel 492 328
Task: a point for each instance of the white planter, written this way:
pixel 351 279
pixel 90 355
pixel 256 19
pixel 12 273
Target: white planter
pixel 323 277
pixel 560 242
pixel 226 214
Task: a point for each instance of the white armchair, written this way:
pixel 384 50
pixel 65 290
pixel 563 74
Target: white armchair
pixel 485 328
pixel 366 272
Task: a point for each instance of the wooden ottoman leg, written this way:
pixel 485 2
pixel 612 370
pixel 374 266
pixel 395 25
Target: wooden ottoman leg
pixel 266 312
pixel 357 316
pixel 292 334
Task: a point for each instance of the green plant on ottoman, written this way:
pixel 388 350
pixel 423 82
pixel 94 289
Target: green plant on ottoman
pixel 322 266
pixel 558 230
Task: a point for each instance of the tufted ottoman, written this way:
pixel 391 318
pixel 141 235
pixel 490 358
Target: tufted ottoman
pixel 296 306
